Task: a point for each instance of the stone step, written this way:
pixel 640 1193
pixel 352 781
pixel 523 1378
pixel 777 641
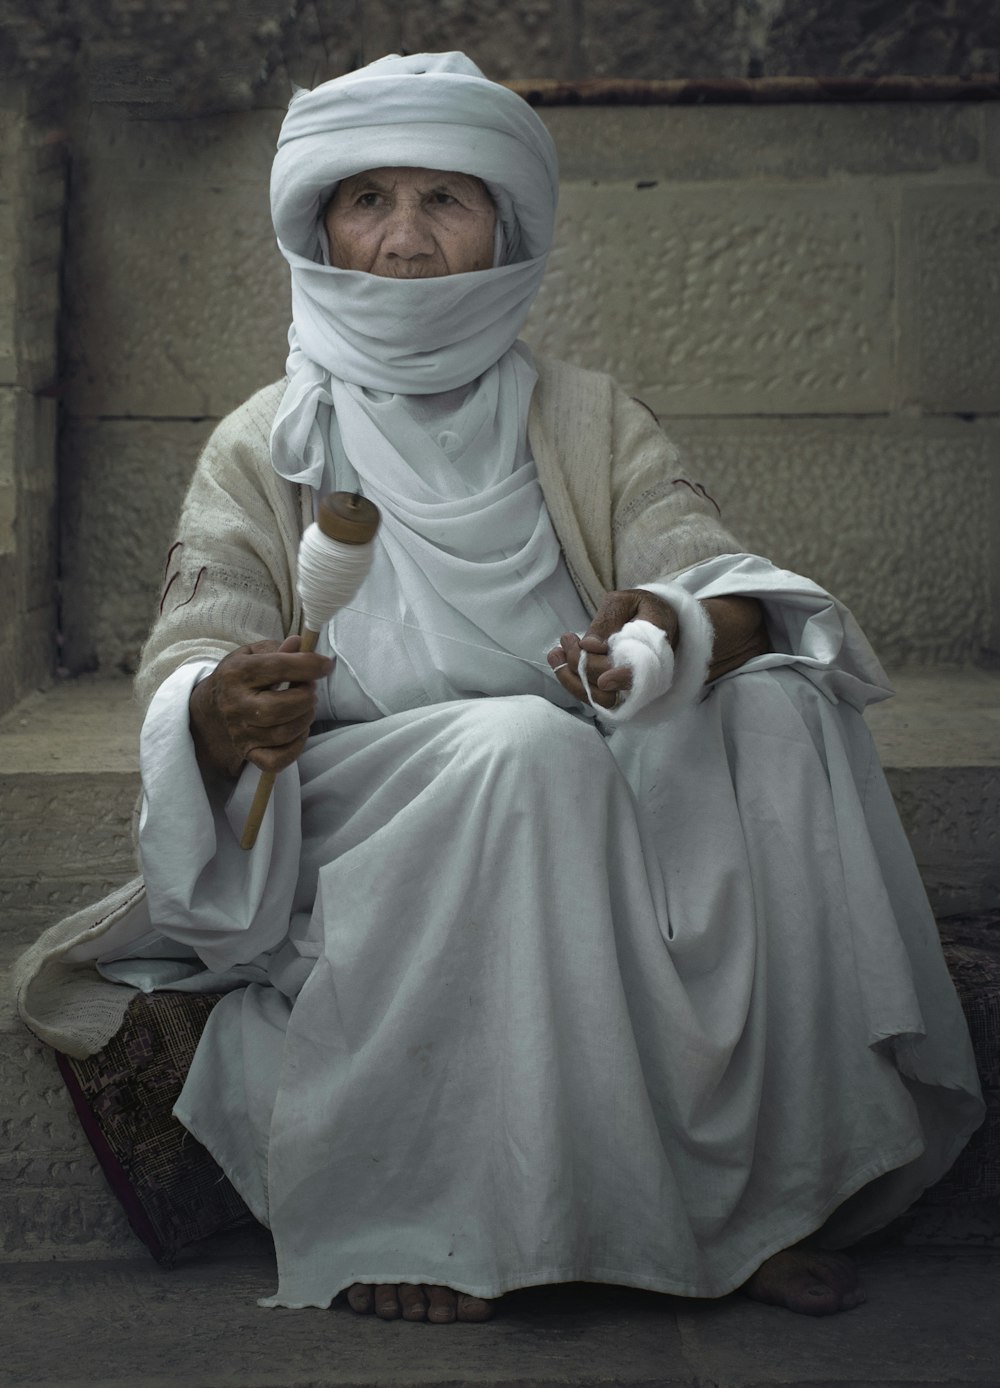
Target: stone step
pixel 926 1321
pixel 67 793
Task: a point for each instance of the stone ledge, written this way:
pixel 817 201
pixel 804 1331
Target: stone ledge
pixel 198 1324
pixel 743 91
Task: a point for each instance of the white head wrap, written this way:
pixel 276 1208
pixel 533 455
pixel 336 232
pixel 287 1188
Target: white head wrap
pixel 416 337
pixel 415 391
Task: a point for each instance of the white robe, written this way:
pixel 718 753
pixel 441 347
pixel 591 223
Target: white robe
pixel 531 1004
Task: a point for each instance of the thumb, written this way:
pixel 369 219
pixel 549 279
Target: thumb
pixel 290 643
pixel 614 612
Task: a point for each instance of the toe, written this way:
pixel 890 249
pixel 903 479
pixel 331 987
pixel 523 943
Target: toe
pixel 387 1306
pixel 810 1298
pixel 413 1302
pixel 442 1307
pixel 360 1298
pixel 474 1308
pixel 808 1281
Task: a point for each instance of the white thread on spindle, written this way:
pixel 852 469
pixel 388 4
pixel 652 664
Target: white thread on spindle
pixel 329 574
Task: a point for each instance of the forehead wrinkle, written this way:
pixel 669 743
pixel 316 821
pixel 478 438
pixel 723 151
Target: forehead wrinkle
pixel 441 181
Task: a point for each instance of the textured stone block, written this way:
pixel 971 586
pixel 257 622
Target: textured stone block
pixel 31 217
pixel 991 123
pixel 952 818
pixel 506 38
pixel 175 271
pixel 123 483
pixel 950 298
pixel 67 842
pixel 632 38
pixel 827 38
pixel 27 541
pixel 8 475
pixel 680 143
pixel 729 300
pixel 63 1221
pixel 11 136
pixel 897 518
pixel 37 1114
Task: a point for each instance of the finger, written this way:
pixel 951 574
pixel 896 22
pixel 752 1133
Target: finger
pixel 616 680
pixel 273 709
pixel 295 667
pixel 275 759
pixel 596 667
pixel 413 1302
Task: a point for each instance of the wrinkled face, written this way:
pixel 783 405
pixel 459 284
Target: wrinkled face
pixel 411 223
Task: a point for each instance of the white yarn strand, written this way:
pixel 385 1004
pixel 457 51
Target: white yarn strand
pixel 329 574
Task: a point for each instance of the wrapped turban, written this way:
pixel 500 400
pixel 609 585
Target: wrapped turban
pixel 431 111
pixel 420 336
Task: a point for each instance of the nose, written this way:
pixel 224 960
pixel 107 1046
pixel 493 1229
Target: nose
pixel 407 233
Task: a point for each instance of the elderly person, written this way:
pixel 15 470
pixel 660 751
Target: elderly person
pixel 581 940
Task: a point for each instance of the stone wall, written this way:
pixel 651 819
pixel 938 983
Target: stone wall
pixel 808 296
pixel 233 54
pixel 31 227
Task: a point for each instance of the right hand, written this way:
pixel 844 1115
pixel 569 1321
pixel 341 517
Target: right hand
pixel 237 715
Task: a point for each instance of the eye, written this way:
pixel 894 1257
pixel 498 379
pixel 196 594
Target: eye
pixel 443 199
pixel 366 200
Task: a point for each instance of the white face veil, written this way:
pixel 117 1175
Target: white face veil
pixel 414 390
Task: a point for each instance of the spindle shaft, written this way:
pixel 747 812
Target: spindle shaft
pixel 344 518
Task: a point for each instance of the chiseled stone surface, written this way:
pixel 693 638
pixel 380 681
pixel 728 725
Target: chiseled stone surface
pixel 31 220
pixel 757 300
pixel 54 828
pixel 866 38
pixel 636 39
pixel 952 819
pixel 54 1199
pixel 31 239
pixel 950 297
pixel 744 143
pixel 896 517
pixel 926 1321
pixel 991 121
pixel 27 541
pixel 175 264
pixel 506 38
pixel 123 483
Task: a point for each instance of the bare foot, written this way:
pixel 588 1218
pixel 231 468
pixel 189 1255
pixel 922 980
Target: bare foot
pixel 806 1280
pixel 415 1303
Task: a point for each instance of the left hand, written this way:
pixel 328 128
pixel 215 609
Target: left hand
pixel 607 680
